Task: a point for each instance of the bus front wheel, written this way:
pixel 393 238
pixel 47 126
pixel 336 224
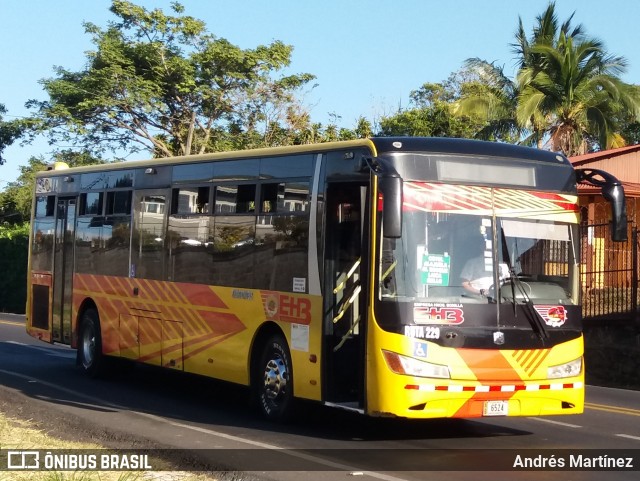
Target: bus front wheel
pixel 274 380
pixel 90 355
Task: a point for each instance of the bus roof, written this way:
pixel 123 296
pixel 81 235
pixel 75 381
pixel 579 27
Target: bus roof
pixel 221 156
pixel 376 145
pixel 480 148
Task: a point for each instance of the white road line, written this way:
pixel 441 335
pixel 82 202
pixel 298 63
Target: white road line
pixel 11 323
pixel 211 432
pixel 628 436
pixel 94 400
pixel 550 421
pixel 65 353
pixel 258 444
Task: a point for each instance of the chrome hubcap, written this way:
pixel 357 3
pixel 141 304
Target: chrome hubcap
pixel 88 346
pixel 275 378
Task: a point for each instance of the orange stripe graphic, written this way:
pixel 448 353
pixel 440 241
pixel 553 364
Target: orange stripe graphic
pixel 163 317
pixel 530 359
pixel 488 366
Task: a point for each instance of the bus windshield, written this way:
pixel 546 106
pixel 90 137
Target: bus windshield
pixel 474 256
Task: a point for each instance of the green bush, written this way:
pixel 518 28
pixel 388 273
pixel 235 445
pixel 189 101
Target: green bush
pixel 14 249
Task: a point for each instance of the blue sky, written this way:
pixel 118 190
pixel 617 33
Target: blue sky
pixel 367 55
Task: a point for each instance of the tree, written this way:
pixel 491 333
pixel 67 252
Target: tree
pixel 431 112
pixel 163 83
pixel 490 97
pixel 14 249
pixel 15 200
pixel 578 90
pixel 298 129
pixel 630 126
pixel 493 97
pixel 567 91
pixel 9 132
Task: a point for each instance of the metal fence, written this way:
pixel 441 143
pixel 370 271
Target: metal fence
pixel 609 272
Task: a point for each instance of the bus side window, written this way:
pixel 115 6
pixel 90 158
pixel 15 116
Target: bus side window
pixel 282 237
pixel 235 199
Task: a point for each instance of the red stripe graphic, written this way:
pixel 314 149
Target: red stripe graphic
pixel 447 198
pixel 163 316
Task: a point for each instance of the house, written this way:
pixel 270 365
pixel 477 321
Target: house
pixel 609 270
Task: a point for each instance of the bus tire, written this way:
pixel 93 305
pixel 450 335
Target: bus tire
pixel 274 380
pixel 90 355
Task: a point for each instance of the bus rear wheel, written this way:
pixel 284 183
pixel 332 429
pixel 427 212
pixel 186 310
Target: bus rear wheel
pixel 273 382
pixel 90 355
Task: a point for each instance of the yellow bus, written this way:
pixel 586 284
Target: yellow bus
pixel 334 272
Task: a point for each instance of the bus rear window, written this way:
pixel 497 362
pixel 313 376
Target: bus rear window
pixel 45 205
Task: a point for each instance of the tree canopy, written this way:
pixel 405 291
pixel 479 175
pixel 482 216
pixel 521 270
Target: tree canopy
pixel 10 131
pixel 16 197
pixel 163 83
pixel 431 112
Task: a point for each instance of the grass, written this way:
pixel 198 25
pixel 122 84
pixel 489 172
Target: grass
pixel 20 434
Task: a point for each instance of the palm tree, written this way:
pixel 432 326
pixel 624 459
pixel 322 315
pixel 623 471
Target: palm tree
pixel 545 32
pixel 491 97
pixel 567 91
pixel 576 87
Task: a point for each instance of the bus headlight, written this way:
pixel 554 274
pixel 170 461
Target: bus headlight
pixel 568 369
pixel 414 367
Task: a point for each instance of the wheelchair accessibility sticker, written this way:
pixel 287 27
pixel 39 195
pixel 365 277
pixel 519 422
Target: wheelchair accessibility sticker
pixel 420 349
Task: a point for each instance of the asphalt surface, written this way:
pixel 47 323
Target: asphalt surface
pixel 210 425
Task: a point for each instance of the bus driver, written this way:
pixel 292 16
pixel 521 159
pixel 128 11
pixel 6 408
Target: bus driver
pixel 477 273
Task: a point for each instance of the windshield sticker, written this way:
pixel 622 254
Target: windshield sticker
pixel 435 269
pixel 432 313
pixel 43 185
pixel 554 316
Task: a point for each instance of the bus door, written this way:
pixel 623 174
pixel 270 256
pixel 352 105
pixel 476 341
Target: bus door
pixel 148 261
pixel 63 270
pixel 345 299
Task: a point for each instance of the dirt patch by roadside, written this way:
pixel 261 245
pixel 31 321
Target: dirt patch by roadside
pixel 61 425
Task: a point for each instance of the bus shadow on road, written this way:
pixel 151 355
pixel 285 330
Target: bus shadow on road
pixel 189 398
pixel 213 402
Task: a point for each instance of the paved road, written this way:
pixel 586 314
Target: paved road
pixel 147 407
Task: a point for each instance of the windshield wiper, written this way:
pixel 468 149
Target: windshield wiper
pixel 533 316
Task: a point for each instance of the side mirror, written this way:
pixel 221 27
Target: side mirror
pixel 614 193
pixel 391 187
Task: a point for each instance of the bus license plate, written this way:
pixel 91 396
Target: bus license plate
pixel 496 408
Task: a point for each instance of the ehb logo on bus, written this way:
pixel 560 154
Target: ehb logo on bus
pixel 287 308
pixel 554 316
pixel 434 314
